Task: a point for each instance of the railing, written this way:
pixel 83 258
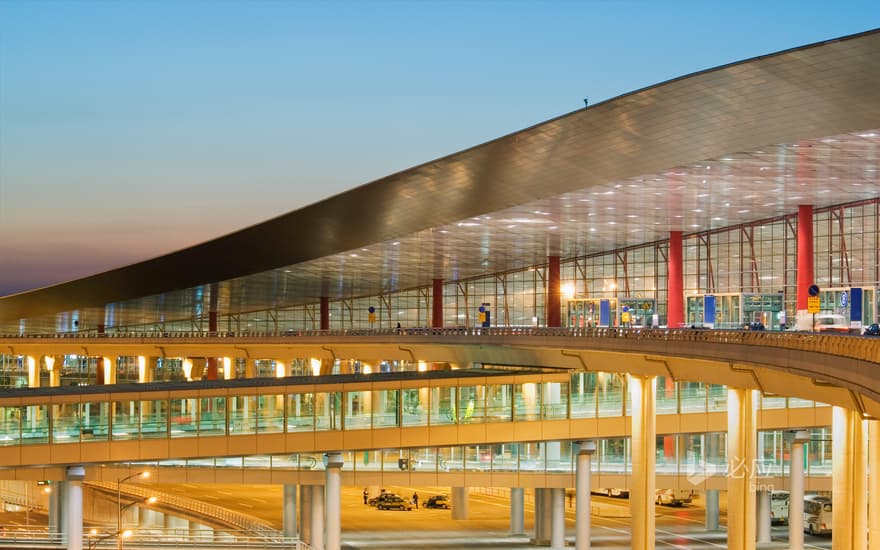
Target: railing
pixel 249 524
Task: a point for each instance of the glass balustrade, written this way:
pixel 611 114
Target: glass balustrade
pixel 582 395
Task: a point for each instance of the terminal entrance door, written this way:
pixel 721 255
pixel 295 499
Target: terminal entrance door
pixel 762 308
pixel 641 311
pixel 727 311
pixel 592 312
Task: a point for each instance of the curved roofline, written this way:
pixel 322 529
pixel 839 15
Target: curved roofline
pixel 574 149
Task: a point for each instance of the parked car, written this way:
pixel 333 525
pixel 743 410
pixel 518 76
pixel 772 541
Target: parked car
pixel 394 503
pixel 667 497
pixel 756 325
pixel 616 492
pixel 439 501
pixel 872 330
pixel 381 498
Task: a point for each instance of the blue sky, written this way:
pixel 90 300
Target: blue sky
pixel 131 129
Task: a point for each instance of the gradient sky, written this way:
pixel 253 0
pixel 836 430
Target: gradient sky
pixel 132 129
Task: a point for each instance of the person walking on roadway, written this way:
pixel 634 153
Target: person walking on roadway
pixel 415 500
pixel 366 494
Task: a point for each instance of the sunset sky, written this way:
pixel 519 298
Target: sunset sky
pixel 132 129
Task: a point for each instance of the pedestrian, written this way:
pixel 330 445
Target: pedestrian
pixel 415 500
pixel 366 494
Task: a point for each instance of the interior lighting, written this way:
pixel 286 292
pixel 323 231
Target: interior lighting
pixel 315 363
pixel 568 291
pixel 280 369
pixel 187 366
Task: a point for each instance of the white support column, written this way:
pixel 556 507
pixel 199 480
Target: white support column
pixel 849 485
pixel 288 514
pixel 874 485
pixel 712 510
pixel 305 513
pixel 583 474
pixel 741 441
pixel 110 369
pixel 54 364
pixel 33 367
pixel 763 516
pixel 557 519
pixel 334 497
pixel 317 517
pixel 56 508
pixel 73 512
pixel 796 491
pixel 540 536
pixel 517 511
pixel 460 503
pixel 644 449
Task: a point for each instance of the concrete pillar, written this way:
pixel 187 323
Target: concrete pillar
pixel 146 368
pixel 333 496
pixel 796 491
pixel 250 368
pixel 554 292
pixel 583 474
pixel 874 485
pixel 741 442
pixel 459 503
pixel 33 367
pixel 517 511
pixel 763 516
pixel 54 364
pixel 543 516
pixel 73 511
pixel 108 365
pixel 849 485
pixel 437 303
pixel 305 513
pixel 644 444
pixel 805 261
pixel 288 519
pixel 56 508
pixel 557 519
pixel 317 517
pixel 675 284
pixel 228 365
pixel 712 510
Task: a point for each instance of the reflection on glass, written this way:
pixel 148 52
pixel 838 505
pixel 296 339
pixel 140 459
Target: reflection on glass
pixel 184 412
pixel 554 400
pixel 270 418
pixel 385 410
pixel 328 411
pixel 126 415
pixel 583 395
pixel 212 416
pixel 242 415
pixel 154 419
pixel 610 394
pixel 667 395
pixel 300 412
pixel 527 401
pixel 415 406
pixel 358 410
pixel 443 406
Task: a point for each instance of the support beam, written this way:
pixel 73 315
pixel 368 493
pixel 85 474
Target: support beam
pixel 741 442
pixel 288 518
pixel 582 495
pixel 557 518
pixel 74 509
pixel 437 303
pixel 763 516
pixel 554 292
pixel 805 262
pixel 644 444
pixel 317 517
pixel 517 511
pixel 849 485
pixel 712 510
pixel 333 505
pixel 796 491
pixel 675 285
pixel 459 503
pixel 874 485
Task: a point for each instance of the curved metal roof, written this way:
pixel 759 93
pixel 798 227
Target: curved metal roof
pixel 742 142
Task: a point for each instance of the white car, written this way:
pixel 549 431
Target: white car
pixel 667 497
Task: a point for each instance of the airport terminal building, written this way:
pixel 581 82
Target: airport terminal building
pixel 709 245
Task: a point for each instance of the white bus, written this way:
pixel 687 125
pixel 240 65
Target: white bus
pixel 779 504
pixel 817 515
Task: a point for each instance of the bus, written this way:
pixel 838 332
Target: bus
pixel 817 515
pixel 779 505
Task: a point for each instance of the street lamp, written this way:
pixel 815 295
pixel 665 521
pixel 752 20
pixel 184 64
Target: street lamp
pixel 119 508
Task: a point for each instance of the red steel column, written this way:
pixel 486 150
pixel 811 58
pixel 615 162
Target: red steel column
pixel 554 317
pixel 675 286
pixel 437 304
pixel 325 313
pixel 805 275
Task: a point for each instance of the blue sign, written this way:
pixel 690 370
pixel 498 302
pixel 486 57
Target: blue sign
pixel 709 310
pixel 855 309
pixel 604 313
pixel 813 290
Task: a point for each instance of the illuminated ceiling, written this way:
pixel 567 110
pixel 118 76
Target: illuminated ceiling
pixel 744 142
